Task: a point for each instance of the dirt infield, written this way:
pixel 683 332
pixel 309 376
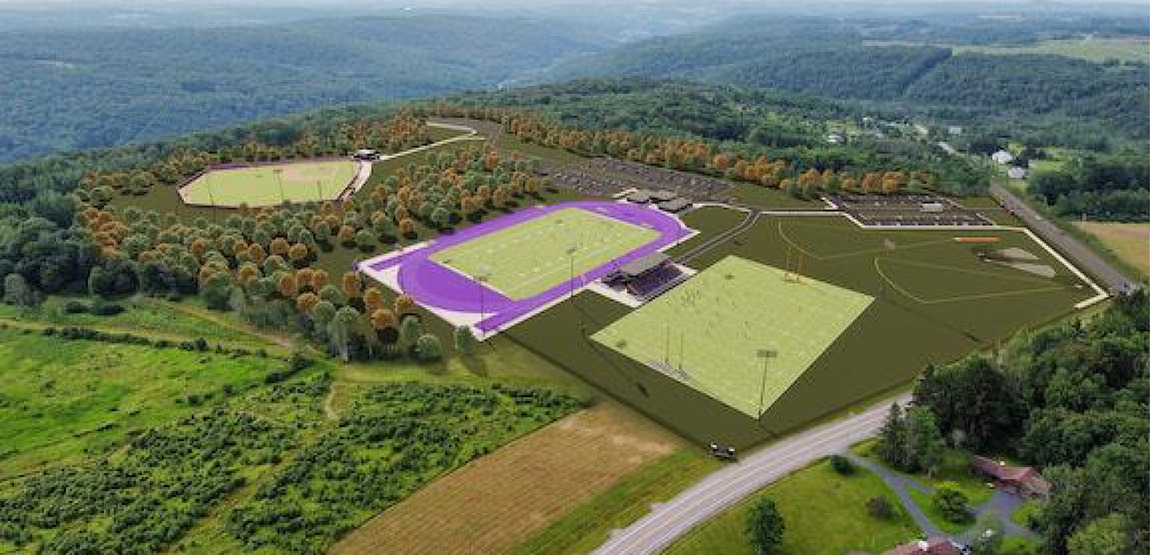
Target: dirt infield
pixel 498 501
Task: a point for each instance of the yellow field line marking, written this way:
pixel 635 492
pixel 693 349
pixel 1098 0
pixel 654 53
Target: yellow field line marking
pixel 997 275
pixel 850 254
pixel 980 296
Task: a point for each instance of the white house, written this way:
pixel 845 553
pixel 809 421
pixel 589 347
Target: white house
pixel 1016 172
pixel 1002 157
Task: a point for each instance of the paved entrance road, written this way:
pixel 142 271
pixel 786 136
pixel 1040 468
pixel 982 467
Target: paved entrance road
pixel 1113 280
pixel 668 521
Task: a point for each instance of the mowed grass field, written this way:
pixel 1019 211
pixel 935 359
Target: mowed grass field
pixel 1091 49
pixel 740 331
pixel 261 185
pixel 825 514
pixel 971 304
pixel 1128 241
pixel 532 257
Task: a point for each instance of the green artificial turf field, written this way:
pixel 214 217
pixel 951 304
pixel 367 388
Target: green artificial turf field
pixel 529 258
pixel 261 186
pixel 717 332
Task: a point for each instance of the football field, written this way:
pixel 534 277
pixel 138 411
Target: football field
pixel 271 185
pixel 532 257
pixel 739 331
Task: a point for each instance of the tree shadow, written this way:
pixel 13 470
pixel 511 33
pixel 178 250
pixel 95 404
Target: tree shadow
pixel 475 364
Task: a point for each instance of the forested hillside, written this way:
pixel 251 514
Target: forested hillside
pixel 91 88
pixel 778 124
pixel 842 59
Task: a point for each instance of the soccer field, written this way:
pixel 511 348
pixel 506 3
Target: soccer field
pixel 261 186
pixel 532 257
pixel 720 330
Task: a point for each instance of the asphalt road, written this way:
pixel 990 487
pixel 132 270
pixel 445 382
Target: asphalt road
pixel 1114 281
pixel 670 520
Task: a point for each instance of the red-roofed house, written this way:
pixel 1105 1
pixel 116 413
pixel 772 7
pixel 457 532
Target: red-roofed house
pixel 932 546
pixel 1022 480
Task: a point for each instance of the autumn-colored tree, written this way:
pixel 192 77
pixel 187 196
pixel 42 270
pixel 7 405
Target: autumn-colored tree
pixel 305 302
pixel 279 246
pixel 382 318
pixel 404 305
pixel 304 277
pixel 198 248
pixel 346 234
pixel 257 253
pixel 352 284
pixel 373 299
pixel 319 279
pixel 298 253
pixel 407 227
pixel 286 286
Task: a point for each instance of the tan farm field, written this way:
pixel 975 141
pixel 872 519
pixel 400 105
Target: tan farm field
pixel 500 500
pixel 1130 242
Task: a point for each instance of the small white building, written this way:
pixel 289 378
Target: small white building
pixel 932 207
pixel 1016 172
pixel 954 130
pixel 1002 157
pixel 366 154
pixel 836 138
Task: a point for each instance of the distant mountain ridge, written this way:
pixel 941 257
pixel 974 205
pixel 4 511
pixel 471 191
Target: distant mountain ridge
pixel 68 89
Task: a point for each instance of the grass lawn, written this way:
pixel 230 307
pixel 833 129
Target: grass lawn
pixel 532 257
pixel 141 315
pixel 886 347
pixel 1092 49
pixel 766 198
pixel 825 514
pixel 1128 241
pixel 271 185
pixel 586 526
pixel 63 399
pixel 730 312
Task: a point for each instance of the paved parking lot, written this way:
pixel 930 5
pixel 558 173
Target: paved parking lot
pixel 609 176
pixel 908 210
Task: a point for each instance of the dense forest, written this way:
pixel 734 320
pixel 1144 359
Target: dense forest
pixel 1101 187
pixel 1071 400
pixel 842 59
pixel 91 88
pixel 746 123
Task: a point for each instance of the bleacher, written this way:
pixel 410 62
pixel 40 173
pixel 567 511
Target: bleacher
pixel 646 277
pixel 655 281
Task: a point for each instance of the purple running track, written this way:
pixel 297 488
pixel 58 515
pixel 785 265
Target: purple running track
pixel 434 285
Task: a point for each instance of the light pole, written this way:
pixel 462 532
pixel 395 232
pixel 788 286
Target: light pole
pixel 766 355
pixel 571 261
pixel 279 179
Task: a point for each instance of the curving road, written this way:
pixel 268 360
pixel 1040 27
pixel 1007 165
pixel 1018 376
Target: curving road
pixel 670 520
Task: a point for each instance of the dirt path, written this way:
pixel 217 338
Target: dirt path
pixel 500 500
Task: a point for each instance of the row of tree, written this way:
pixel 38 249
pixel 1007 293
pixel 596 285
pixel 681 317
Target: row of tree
pixel 1071 400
